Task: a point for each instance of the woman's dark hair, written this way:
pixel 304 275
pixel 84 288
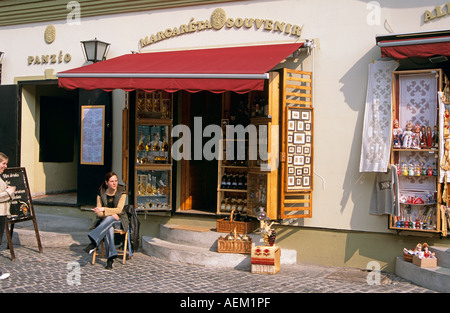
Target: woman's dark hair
pixel 107 178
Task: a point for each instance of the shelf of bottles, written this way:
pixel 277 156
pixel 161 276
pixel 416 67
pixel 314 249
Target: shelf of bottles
pixel 153 164
pixel 257 191
pixel 153 190
pixel 153 105
pixel 153 144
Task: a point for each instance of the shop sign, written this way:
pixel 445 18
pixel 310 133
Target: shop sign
pixel 439 12
pixel 49 58
pixel 49 37
pixel 219 20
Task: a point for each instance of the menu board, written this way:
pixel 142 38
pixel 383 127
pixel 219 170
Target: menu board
pixel 21 207
pixel 92 134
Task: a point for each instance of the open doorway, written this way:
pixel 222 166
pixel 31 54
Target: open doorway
pixel 202 172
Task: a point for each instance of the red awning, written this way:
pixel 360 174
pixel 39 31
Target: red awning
pixel 238 69
pixel 422 45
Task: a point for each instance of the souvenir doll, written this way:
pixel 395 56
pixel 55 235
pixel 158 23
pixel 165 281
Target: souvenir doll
pixel 415 144
pixel 430 170
pixel 429 138
pixel 435 137
pixel 407 136
pixel 397 133
pixel 445 162
pixel 446 125
pixel 418 251
pixel 417 169
pixel 404 169
pixel 423 138
pixel 426 252
pixel 411 169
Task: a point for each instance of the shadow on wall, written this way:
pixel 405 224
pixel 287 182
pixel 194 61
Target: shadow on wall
pixel 358 186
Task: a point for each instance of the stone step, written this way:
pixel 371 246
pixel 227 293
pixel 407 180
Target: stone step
pixel 442 255
pixel 437 278
pixel 199 247
pixel 197 236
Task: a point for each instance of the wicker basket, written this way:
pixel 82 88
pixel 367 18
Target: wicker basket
pixel 226 226
pixel 408 257
pixel 234 246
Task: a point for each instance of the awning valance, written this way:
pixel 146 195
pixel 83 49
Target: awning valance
pixel 238 69
pixel 422 45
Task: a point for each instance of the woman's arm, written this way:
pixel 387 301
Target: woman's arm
pixel 7 194
pixel 105 211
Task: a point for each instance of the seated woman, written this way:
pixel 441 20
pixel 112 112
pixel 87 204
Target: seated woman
pixel 111 199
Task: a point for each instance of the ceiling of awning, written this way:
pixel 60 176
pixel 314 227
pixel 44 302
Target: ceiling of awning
pixel 238 69
pixel 420 50
pixel 422 45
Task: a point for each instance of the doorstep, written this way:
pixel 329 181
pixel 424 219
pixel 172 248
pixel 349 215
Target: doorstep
pixel 199 247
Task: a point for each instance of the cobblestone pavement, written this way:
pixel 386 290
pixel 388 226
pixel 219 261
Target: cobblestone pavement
pixel 69 270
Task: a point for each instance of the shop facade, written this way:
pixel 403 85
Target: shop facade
pixel 293 74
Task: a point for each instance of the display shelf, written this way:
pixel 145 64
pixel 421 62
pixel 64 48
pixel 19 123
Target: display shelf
pixel 417 160
pixel 153 163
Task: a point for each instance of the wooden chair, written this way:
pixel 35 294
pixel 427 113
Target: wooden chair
pixel 123 253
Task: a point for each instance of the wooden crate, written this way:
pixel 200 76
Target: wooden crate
pixel 226 226
pixel 234 246
pixel 425 262
pixel 265 259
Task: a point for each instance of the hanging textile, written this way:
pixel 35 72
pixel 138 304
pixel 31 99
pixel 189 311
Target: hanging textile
pixel 417 97
pixel 385 199
pixel 442 172
pixel 377 130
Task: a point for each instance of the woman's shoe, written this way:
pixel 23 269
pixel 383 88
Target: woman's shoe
pixel 90 248
pixel 4 275
pixel 109 263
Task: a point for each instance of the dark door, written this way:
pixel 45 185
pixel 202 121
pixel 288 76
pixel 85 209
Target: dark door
pixel 10 123
pixel 203 173
pixel 90 177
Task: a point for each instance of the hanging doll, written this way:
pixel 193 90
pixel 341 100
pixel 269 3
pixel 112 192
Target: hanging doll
pixel 429 138
pixel 446 123
pixel 423 138
pixel 407 136
pixel 445 162
pixel 435 137
pixel 416 138
pixel 397 133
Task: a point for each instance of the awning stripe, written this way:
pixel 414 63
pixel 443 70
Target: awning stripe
pixel 164 75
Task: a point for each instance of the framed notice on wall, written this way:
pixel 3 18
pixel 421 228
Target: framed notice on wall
pixel 92 134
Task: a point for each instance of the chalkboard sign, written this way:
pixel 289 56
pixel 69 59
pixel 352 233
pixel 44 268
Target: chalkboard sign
pixel 21 206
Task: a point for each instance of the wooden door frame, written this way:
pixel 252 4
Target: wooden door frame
pixel 185 186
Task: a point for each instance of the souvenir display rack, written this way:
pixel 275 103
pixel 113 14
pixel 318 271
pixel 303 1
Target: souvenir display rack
pixel 153 164
pixel 246 183
pixel 416 151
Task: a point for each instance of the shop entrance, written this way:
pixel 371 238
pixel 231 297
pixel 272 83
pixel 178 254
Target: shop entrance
pixel 207 108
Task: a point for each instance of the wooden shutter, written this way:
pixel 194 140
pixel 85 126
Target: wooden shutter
pixel 297 147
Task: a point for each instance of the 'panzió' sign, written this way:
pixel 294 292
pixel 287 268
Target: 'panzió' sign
pixel 219 20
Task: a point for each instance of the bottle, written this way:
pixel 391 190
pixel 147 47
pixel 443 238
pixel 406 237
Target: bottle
pixel 233 204
pixel 228 184
pixel 240 181
pixel 223 205
pixel 223 184
pixel 165 146
pixel 234 180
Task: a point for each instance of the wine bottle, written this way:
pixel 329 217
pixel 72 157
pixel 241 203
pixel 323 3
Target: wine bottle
pixel 240 182
pixel 228 184
pixel 223 184
pixel 234 181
